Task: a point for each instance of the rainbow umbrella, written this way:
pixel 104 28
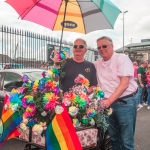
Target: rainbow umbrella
pixel 82 16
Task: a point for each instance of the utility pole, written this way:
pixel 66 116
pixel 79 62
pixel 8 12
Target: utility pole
pixel 123 28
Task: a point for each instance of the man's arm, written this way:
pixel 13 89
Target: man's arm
pixel 124 82
pixel 90 89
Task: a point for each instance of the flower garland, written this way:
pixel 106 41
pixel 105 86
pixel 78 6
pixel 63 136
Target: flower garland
pixel 36 101
pixel 85 109
pixel 62 55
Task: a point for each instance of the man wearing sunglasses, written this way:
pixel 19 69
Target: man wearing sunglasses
pixel 115 75
pixel 77 65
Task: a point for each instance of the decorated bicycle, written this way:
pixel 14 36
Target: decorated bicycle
pixel 42 115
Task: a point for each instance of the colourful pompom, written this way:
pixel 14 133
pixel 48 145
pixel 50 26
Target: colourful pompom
pixel 62 55
pixel 25 78
pixel 73 110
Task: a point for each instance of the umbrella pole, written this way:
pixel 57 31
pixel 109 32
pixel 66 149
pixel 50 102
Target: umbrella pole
pixel 66 2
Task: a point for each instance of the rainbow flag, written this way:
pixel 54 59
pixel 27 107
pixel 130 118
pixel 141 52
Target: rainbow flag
pixel 8 124
pixel 61 135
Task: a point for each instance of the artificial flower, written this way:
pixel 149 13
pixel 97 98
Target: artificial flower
pixel 44 113
pixel 37 129
pixel 82 80
pixel 61 55
pixel 76 122
pixel 92 122
pixel 25 78
pixel 27 100
pixel 110 110
pixel 91 112
pixel 59 109
pixel 23 126
pixel 66 102
pixel 73 110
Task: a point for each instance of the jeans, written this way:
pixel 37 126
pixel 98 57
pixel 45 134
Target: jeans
pixel 122 124
pixel 140 94
pixel 148 97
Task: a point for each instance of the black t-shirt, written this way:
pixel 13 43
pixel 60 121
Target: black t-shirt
pixel 72 69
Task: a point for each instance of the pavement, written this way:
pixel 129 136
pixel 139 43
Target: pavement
pixel 142 133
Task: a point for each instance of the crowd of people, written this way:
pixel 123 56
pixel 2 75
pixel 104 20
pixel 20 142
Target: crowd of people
pixel 142 76
pixel 45 66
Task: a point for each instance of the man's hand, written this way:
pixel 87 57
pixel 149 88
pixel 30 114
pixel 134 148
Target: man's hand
pixel 105 103
pixel 57 60
pixel 90 89
pixel 142 85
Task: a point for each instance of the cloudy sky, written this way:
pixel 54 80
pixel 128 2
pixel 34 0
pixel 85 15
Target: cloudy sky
pixel 136 24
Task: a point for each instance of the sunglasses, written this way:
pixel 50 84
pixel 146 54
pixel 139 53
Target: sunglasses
pixel 78 46
pixel 103 46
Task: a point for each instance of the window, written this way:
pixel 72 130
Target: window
pixel 145 56
pixel 36 75
pixel 12 80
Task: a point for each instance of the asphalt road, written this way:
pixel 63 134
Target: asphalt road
pixel 142 133
pixel 13 144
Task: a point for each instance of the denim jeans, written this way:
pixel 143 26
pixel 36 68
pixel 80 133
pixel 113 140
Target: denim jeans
pixel 122 124
pixel 140 94
pixel 148 97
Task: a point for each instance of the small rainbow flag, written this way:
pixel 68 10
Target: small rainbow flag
pixel 61 134
pixel 8 124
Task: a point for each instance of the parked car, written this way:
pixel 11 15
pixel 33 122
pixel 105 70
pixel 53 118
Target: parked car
pixel 16 65
pixel 12 65
pixel 11 78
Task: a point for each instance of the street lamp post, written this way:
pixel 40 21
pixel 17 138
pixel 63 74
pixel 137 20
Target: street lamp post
pixel 123 28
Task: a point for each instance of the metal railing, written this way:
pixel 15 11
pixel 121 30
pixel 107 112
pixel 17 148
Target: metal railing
pixel 22 48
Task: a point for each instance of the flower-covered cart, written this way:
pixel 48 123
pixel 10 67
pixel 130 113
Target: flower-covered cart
pixel 49 119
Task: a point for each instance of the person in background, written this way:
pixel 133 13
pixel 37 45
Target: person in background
pixel 148 86
pixel 115 74
pixel 6 66
pixel 44 66
pixel 141 83
pixel 135 65
pixel 47 65
pixel 77 65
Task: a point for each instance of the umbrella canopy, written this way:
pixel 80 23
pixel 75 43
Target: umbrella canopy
pixel 82 16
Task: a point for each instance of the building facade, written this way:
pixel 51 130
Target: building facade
pixel 137 51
